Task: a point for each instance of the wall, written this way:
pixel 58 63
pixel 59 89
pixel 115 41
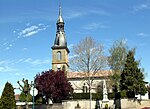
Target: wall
pixel 125 103
pixel 85 104
pixel 78 84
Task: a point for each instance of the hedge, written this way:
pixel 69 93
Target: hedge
pixel 87 96
pixel 97 96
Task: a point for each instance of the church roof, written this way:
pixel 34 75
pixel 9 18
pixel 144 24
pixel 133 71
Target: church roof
pixel 60 39
pixel 80 75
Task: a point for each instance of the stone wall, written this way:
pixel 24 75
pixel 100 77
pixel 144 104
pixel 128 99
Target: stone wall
pixel 125 103
pixel 85 104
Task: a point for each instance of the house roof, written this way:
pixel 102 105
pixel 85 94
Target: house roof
pixel 80 75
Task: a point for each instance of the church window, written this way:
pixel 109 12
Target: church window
pixel 58 55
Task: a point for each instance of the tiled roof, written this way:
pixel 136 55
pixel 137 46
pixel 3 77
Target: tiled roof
pixel 74 75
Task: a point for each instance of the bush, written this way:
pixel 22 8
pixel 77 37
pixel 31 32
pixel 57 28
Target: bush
pixel 111 95
pixel 23 97
pixel 106 106
pixel 98 96
pixel 8 98
pixel 130 94
pixel 87 96
pixel 124 94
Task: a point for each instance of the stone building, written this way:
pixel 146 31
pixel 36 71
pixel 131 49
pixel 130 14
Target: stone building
pixel 60 50
pixel 60 53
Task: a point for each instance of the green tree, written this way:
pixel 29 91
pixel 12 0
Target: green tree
pixel 8 97
pixel 132 77
pixel 23 97
pixel 116 60
pixel 0 103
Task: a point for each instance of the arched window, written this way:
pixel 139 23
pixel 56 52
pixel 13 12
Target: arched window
pixel 58 55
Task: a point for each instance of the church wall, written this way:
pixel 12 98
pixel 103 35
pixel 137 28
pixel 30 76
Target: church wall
pixel 78 84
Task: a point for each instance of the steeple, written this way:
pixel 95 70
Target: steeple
pixel 60 50
pixel 60 39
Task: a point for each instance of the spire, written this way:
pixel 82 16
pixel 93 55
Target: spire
pixel 60 39
pixel 60 19
pixel 60 14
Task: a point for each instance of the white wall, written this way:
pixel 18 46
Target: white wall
pixel 78 84
pixel 143 97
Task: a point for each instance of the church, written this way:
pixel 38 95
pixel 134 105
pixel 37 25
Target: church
pixel 60 61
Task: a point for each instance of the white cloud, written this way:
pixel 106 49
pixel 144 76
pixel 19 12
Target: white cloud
pixel 79 12
pixel 72 15
pixel 141 34
pixel 28 24
pixel 94 26
pixel 29 31
pixel 3 62
pixel 143 6
pixel 36 61
pixel 7 48
pixel 28 60
pixel 19 74
pixel 7 69
pixel 24 49
pixel 39 62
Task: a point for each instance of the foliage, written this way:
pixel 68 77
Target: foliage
pixel 106 106
pixel 132 77
pixel 123 94
pixel 89 58
pixel 118 53
pixel 53 85
pixel 95 96
pixel 39 100
pixel 23 97
pixel 8 97
pixel 116 60
pixel 1 104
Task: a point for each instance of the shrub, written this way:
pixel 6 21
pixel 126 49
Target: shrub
pixel 124 94
pixel 87 96
pixel 106 106
pixel 8 97
pixel 111 95
pixel 23 97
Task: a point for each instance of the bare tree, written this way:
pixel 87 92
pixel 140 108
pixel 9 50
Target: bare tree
pixel 88 58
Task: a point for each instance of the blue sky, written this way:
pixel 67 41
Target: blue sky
pixel 28 28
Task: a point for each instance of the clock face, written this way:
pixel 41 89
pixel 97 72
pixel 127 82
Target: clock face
pixel 58 66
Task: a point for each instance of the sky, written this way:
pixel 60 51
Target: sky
pixel 28 29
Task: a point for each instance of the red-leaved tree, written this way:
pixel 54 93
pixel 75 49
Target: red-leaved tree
pixel 53 85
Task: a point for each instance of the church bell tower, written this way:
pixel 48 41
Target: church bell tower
pixel 60 50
